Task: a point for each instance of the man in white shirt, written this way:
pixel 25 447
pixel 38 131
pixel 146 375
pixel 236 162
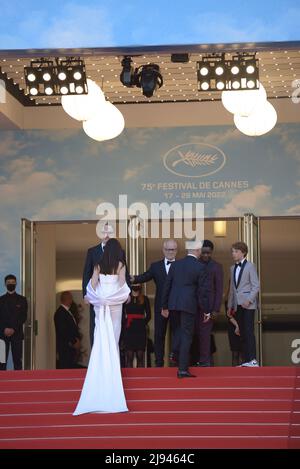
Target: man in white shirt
pixel 158 272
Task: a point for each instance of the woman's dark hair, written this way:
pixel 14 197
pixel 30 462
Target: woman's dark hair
pixel 112 256
pixel 141 297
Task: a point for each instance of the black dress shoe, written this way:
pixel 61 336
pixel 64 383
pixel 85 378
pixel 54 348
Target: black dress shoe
pixel 185 374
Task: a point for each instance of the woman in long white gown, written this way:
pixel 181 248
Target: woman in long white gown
pixel 107 291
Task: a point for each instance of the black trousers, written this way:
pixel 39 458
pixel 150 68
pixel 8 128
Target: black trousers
pixel 245 320
pixel 187 325
pixel 16 350
pixel 66 357
pixel 160 329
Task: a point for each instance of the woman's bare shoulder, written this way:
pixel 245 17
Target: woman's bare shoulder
pixel 120 267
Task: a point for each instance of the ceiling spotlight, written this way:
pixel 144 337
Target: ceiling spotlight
pixel 250 84
pixel 204 85
pixel 31 77
pixel 235 70
pixel 46 76
pixel 77 75
pixel 62 76
pixel 219 71
pixel 204 71
pixel 149 78
pixel 220 85
pixel 127 74
pixel 48 90
pixel 250 69
pixel 216 72
pixel 33 91
pixel 236 85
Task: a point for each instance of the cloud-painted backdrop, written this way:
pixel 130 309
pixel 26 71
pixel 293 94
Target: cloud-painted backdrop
pixel 57 175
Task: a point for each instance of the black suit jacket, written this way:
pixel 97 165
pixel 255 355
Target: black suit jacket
pixel 13 314
pixel 93 258
pixel 67 332
pixel 186 286
pixel 215 274
pixel 157 273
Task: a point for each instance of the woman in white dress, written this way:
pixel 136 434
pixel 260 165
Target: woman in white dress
pixel 107 291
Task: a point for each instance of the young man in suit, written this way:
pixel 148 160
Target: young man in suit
pixel 242 299
pixel 185 289
pixel 204 322
pixel 158 272
pixel 67 333
pixel 93 257
pixel 13 314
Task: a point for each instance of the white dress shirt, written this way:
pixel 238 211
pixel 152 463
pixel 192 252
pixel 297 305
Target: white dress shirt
pixel 237 270
pixel 167 266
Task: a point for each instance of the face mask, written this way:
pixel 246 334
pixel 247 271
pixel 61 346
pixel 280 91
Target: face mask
pixel 11 287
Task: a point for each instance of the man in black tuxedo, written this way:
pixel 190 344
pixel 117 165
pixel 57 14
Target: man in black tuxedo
pixel 93 258
pixel 67 333
pixel 13 314
pixel 158 272
pixel 185 289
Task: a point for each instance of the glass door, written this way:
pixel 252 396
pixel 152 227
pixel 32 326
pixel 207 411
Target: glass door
pixel 28 290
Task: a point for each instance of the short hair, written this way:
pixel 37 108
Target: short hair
pixel 64 295
pixel 208 244
pixel 241 246
pixel 10 277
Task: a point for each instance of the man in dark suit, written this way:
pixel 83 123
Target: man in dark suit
pixel 13 314
pixel 186 287
pixel 93 258
pixel 158 272
pixel 67 333
pixel 204 322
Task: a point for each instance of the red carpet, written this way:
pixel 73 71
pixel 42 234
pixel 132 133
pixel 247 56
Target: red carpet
pixel 221 408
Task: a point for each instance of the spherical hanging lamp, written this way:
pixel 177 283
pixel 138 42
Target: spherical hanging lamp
pixel 243 102
pixel 108 123
pixel 85 106
pixel 261 121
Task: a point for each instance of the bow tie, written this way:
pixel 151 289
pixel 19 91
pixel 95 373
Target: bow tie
pixel 238 264
pixel 169 262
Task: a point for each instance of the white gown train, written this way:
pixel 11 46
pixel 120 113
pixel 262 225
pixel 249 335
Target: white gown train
pixel 103 388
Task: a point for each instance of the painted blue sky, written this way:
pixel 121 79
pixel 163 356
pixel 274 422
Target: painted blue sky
pixel 35 24
pixel 53 175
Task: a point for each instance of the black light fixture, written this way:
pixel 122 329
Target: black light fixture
pixel 212 73
pixel 243 72
pixel 215 73
pixel 181 58
pixel 45 78
pixel 127 74
pixel 71 76
pixel 149 78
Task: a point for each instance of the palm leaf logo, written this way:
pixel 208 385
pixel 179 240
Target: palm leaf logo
pixel 194 159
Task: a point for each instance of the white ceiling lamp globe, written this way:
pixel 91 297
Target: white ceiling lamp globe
pixel 85 106
pixel 261 121
pixel 108 123
pixel 243 102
